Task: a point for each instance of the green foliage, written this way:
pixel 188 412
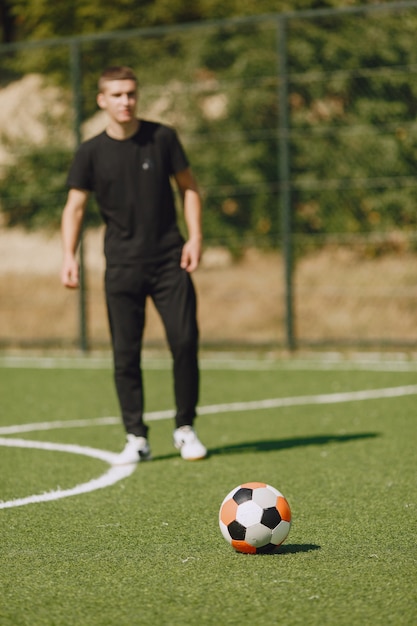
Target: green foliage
pixel 39 19
pixel 33 191
pixel 353 124
pixel 352 106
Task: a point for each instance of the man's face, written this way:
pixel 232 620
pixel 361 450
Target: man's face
pixel 119 98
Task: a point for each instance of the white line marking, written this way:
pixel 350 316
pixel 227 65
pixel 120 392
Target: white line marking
pixel 273 403
pixel 112 476
pixel 96 421
pixel 27 428
pixel 367 361
pixel 330 398
pixel 117 473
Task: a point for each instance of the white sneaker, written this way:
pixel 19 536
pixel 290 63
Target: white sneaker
pixel 186 440
pixel 136 449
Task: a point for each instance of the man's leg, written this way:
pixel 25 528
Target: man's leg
pixel 175 299
pixel 126 312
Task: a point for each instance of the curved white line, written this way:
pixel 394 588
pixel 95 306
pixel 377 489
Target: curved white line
pixel 112 476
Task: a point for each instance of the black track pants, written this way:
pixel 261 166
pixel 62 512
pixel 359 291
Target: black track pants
pixel 173 294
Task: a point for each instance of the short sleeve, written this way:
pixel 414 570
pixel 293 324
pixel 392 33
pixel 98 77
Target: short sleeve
pixel 179 160
pixel 80 175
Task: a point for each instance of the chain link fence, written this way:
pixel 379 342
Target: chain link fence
pixel 301 130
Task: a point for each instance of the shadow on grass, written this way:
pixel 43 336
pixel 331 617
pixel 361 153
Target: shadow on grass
pixel 289 548
pixel 295 548
pixel 271 445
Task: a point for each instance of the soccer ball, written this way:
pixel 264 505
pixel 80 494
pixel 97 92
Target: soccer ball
pixel 255 518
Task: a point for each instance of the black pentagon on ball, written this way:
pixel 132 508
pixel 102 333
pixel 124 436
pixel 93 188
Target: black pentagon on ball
pixel 270 518
pixel 243 495
pixel 236 531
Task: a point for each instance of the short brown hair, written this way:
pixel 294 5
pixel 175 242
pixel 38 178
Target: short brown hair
pixel 116 72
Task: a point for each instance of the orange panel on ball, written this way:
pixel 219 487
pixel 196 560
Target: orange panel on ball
pixel 253 485
pixel 228 512
pixel 242 546
pixel 283 509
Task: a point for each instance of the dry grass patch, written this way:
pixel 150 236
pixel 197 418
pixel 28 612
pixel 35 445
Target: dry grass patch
pixel 339 295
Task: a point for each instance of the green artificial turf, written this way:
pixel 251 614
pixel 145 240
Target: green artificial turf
pixel 148 549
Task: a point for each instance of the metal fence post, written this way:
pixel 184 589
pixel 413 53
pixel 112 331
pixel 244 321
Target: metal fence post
pixel 284 179
pixel 76 90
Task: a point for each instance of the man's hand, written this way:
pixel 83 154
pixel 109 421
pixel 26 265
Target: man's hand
pixel 72 217
pixel 70 273
pixel 191 254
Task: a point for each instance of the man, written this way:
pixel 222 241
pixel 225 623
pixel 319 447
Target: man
pixel 129 167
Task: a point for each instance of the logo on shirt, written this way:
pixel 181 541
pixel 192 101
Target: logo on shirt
pixel 147 165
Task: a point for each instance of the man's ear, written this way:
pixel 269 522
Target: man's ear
pixel 101 101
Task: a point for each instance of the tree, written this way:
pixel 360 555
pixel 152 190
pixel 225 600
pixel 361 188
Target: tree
pixel 41 19
pixel 352 101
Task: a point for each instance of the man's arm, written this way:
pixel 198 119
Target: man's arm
pixel 191 252
pixel 72 219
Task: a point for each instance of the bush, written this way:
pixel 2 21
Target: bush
pixel 33 190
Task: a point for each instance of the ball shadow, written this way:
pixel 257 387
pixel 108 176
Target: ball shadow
pixel 294 548
pixel 289 548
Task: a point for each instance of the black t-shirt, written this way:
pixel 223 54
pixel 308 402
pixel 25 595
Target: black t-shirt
pixel 131 181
